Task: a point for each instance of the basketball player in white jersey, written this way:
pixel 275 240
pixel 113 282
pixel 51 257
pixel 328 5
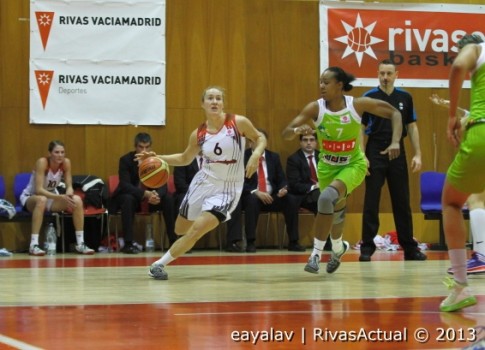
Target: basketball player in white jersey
pixel 215 190
pixel 41 195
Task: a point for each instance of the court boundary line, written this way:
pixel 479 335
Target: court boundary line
pixel 420 312
pixel 14 343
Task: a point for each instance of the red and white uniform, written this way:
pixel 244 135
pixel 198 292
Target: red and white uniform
pixel 219 183
pixel 51 181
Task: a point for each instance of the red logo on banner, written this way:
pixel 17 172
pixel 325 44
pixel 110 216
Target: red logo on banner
pixel 44 22
pixel 44 80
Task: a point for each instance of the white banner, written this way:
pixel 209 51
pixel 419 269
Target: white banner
pixel 97 62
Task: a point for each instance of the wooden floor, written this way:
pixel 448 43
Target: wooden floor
pixel 216 300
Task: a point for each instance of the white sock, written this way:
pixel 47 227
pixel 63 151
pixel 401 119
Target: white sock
pixel 34 239
pixel 318 247
pixel 79 237
pixel 337 245
pixel 458 264
pixel 166 259
pixel 477 226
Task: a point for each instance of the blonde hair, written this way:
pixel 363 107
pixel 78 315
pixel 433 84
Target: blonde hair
pixel 221 89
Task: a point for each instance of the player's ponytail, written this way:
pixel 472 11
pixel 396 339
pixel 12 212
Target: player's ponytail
pixel 342 76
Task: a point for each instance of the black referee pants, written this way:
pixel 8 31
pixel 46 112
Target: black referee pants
pixel 395 172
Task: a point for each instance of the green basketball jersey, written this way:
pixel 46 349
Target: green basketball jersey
pixel 338 134
pixel 477 109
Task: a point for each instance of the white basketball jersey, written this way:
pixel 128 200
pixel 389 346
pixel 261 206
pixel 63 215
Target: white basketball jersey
pixel 51 180
pixel 223 152
pixel 217 186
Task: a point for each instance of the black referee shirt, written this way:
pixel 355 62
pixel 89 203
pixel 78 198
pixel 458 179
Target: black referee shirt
pixel 381 128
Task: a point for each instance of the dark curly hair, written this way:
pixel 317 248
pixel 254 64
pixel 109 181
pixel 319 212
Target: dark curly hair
pixel 342 76
pixel 469 39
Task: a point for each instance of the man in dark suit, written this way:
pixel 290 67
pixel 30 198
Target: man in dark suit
pixel 130 193
pixel 301 172
pixel 302 176
pixel 182 177
pixel 265 191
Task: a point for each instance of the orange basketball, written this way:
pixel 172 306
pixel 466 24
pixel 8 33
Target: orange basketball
pixel 153 172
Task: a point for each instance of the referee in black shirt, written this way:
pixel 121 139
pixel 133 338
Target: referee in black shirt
pixel 381 168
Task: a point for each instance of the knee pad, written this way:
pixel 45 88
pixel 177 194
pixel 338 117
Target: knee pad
pixel 327 200
pixel 339 216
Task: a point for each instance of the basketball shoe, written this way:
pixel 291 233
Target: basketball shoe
pixel 474 266
pixel 84 249
pixel 157 272
pixel 460 296
pixel 334 262
pixel 313 264
pixel 36 251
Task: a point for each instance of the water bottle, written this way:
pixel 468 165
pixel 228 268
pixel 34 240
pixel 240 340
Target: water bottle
pixel 51 239
pixel 149 243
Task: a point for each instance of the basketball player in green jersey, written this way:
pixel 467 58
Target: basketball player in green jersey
pixel 465 174
pixel 476 206
pixel 342 165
